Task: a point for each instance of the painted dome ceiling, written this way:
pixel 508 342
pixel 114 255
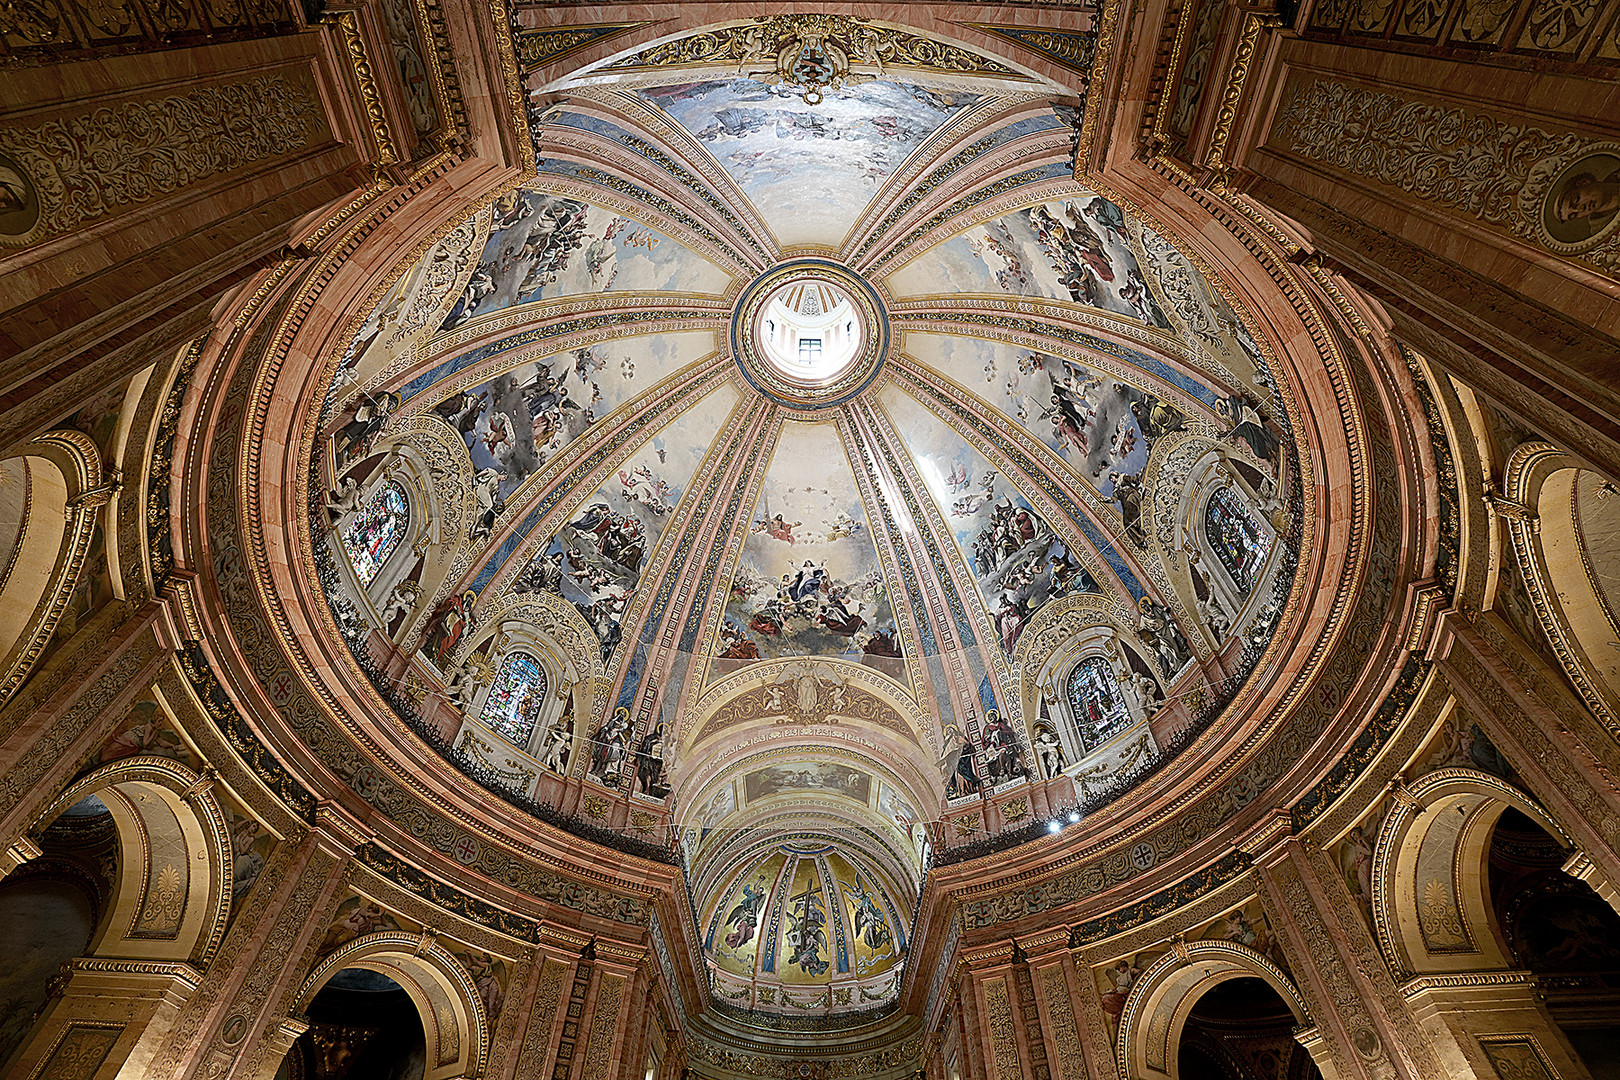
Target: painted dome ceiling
pixel 794 459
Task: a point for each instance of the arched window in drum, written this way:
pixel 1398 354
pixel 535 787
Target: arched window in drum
pixel 513 704
pixel 376 530
pixel 1236 538
pixel 1096 702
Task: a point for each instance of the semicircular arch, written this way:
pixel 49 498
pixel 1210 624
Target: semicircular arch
pixel 1155 1013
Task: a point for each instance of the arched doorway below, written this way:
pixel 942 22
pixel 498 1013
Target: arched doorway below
pixel 362 1026
pixel 50 908
pixel 1562 932
pixel 1241 1029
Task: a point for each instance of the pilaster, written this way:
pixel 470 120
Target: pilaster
pixel 130 1006
pixel 239 1024
pixel 1362 1028
pixel 1482 1019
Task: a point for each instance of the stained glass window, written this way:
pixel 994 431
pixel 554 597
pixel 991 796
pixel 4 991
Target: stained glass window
pixel 1238 540
pixel 1095 699
pixel 513 704
pixel 376 530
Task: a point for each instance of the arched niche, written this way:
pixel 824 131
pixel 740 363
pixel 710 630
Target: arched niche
pixel 172 891
pixel 1223 599
pixel 807 702
pixel 549 631
pixel 50 497
pixel 1563 519
pixel 1431 892
pixel 1155 1014
pixel 406 573
pixel 445 996
pixel 435 460
pixel 1064 635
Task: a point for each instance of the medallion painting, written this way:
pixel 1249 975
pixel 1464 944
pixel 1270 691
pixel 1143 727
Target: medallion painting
pixel 542 246
pixel 595 560
pixel 520 419
pixel 1076 249
pixel 808 582
pixel 810 169
pixel 1017 558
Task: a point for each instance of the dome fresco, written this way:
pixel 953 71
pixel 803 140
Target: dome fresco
pixel 790 626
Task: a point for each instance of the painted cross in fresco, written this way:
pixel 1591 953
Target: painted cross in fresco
pixel 807 934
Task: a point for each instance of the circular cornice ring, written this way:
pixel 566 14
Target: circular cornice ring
pixel 763 375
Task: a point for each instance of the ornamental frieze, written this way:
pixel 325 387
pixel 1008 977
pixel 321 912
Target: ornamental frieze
pixel 1526 181
pixel 80 167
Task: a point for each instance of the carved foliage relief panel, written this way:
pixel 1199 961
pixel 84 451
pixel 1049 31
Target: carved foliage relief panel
pixel 1548 187
pixel 63 170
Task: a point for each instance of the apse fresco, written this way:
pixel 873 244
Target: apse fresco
pixel 808 582
pixel 804 950
pixel 810 169
pixel 735 926
pixel 543 246
pixel 595 560
pixel 1101 425
pixel 1075 249
pixel 874 938
pixel 517 421
pixel 1017 558
pixel 804 925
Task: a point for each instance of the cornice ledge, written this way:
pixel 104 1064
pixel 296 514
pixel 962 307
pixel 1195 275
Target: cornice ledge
pixel 175 970
pixel 1465 980
pixel 339 830
pixel 1263 839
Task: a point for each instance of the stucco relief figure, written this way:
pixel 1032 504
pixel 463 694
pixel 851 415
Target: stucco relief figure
pixel 1159 630
pixel 401 601
pixel 1214 617
pixel 1049 751
pixel 491 503
pixel 1584 202
pixel 343 500
pixel 559 740
pixel 1249 427
pixel 1128 494
pixel 1147 691
pixel 463 686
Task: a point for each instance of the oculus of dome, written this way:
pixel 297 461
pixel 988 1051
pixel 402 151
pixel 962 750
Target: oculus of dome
pixel 809 334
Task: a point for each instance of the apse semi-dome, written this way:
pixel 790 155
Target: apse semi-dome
pixel 887 454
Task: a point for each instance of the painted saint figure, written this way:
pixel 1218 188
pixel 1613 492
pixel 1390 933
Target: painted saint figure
pixel 744 916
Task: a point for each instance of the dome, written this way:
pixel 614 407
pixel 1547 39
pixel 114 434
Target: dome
pixel 987 507
pixel 874 544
